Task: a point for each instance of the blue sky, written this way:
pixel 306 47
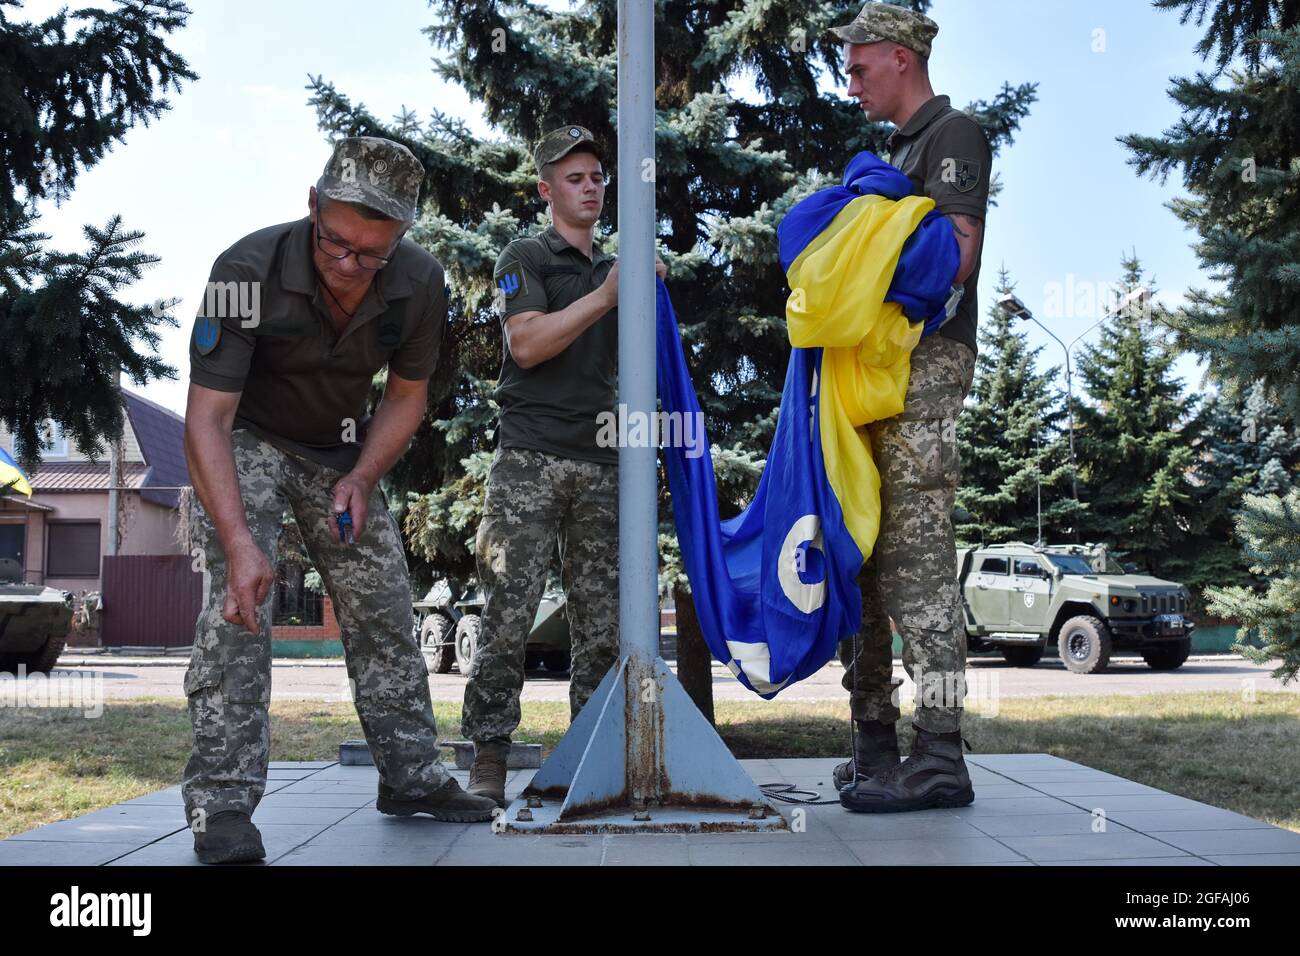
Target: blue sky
pixel 240 147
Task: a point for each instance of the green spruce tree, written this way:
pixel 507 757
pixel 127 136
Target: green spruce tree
pixel 1237 146
pixel 1134 439
pixel 726 170
pixel 64 101
pixel 1012 441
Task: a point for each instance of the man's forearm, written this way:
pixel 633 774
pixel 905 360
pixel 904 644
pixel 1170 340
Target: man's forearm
pixel 542 337
pixel 391 429
pixel 211 461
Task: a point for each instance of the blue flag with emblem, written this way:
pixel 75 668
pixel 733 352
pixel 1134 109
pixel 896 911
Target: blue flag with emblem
pixel 870 268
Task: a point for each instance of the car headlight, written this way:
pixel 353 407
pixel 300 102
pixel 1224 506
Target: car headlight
pixel 1130 605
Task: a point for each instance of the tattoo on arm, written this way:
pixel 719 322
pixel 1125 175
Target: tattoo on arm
pixel 957 219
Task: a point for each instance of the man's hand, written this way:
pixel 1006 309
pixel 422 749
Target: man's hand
pixel 351 493
pixel 609 288
pixel 249 577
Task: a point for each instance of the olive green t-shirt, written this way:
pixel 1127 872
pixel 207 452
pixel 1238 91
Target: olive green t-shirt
pixel 555 406
pixel 263 329
pixel 947 157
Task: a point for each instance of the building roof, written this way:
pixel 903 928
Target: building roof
pixel 161 435
pixel 159 432
pixel 84 476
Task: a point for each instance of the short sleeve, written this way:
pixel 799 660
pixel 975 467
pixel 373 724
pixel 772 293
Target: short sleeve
pixel 958 168
pixel 222 341
pixel 418 355
pixel 518 278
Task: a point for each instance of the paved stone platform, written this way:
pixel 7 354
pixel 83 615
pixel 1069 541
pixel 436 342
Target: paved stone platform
pixel 1029 810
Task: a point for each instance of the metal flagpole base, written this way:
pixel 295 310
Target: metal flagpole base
pixel 585 785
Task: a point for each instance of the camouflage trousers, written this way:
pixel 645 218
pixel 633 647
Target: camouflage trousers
pixel 229 678
pixel 534 502
pixel 911 576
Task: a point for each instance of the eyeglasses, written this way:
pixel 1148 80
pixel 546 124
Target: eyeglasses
pixel 336 250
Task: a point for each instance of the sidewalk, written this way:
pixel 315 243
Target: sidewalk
pixel 1029 810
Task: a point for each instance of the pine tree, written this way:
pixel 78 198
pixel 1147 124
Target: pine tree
pixel 1134 440
pixel 726 171
pixel 1237 145
pixel 1012 441
pixel 64 101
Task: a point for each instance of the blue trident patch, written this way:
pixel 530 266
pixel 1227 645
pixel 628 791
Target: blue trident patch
pixel 207 333
pixel 511 282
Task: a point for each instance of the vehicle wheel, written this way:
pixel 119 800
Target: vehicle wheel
pixel 1085 644
pixel 532 660
pixel 468 629
pixel 435 643
pixel 557 662
pixel 1023 656
pixel 1168 656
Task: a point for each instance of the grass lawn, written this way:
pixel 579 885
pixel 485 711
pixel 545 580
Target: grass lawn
pixel 1216 747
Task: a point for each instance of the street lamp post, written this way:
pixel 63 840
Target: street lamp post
pixel 1013 307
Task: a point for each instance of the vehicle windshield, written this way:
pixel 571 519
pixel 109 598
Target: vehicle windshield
pixel 1071 563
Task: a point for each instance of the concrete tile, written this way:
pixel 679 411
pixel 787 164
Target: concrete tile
pixel 315 854
pixel 300 764
pixel 404 832
pixel 517 849
pixel 310 785
pixel 1110 845
pixel 917 825
pixel 299 815
pixel 1041 824
pixel 940 851
pixel 1003 790
pixel 171 797
pixel 61 853
pixel 646 849
pixel 1009 763
pixel 110 825
pixel 1011 806
pixel 1061 775
pixel 1228 842
pixel 1091 788
pixel 1143 861
pixel 274 774
pixel 329 798
pixel 1257 859
pixel 1114 802
pixel 795 852
pixel 160 854
pixel 1149 821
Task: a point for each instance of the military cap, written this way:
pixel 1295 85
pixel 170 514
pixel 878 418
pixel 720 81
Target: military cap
pixel 885 21
pixel 558 143
pixel 375 172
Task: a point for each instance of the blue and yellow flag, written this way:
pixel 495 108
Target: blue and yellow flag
pixel 870 268
pixel 12 477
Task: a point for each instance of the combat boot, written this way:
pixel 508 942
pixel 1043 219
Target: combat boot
pixel 875 750
pixel 450 804
pixel 228 837
pixel 933 775
pixel 487 777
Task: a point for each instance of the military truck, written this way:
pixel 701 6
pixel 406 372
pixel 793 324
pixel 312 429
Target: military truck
pixel 448 630
pixel 34 622
pixel 1018 598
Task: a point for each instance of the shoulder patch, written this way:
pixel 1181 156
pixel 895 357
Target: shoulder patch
pixel 510 279
pixel 207 333
pixel 963 174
